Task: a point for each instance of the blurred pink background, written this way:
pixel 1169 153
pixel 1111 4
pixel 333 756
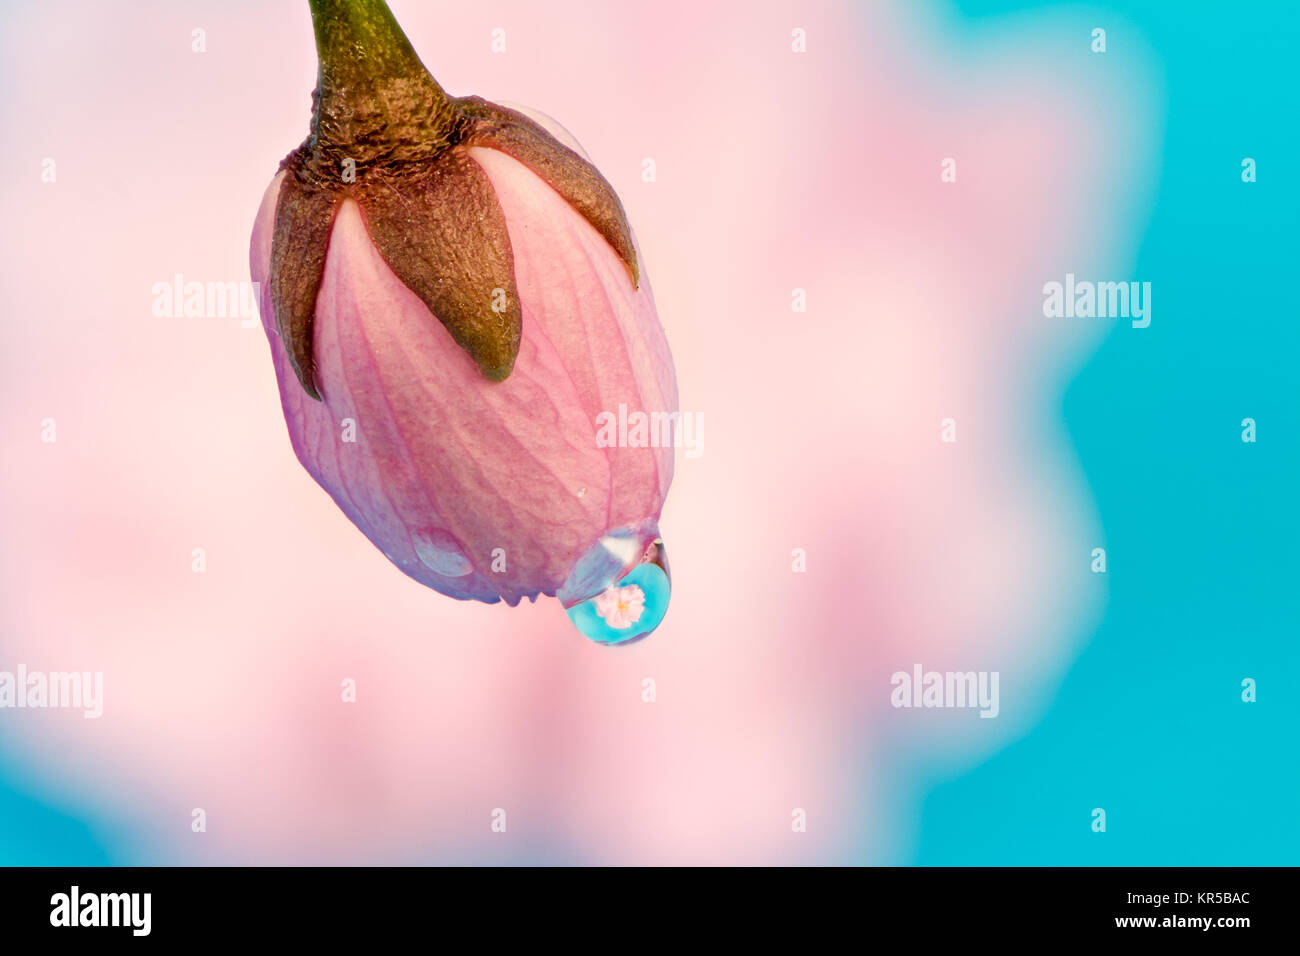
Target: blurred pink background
pixel 776 170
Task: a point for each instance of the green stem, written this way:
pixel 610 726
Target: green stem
pixel 375 101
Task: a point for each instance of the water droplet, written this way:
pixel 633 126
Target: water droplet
pixel 581 492
pixel 618 591
pixel 441 553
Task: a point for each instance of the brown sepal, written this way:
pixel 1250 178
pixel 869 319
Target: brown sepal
pixel 441 230
pixel 579 182
pixel 434 217
pixel 304 215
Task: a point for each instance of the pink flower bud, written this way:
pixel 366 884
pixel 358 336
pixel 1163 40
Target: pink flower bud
pixel 452 297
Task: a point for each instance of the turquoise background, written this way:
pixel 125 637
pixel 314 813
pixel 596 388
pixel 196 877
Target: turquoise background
pixel 1201 527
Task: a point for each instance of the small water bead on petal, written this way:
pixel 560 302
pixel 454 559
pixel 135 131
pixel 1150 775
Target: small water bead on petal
pixel 441 553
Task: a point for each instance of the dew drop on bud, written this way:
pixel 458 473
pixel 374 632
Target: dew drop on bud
pixel 618 591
